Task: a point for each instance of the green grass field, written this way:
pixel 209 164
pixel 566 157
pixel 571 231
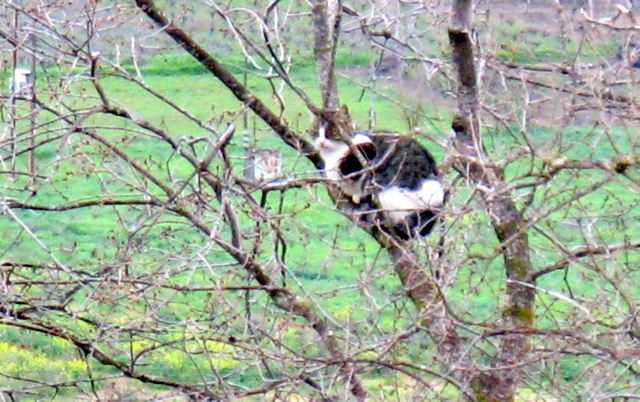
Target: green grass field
pixel 91 238
pixel 327 258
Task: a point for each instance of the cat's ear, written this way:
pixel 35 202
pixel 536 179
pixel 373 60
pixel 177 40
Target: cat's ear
pixel 365 144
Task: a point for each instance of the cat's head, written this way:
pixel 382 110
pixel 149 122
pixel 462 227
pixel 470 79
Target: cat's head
pixel 327 138
pixel 336 151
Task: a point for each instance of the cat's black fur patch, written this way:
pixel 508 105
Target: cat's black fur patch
pixel 405 163
pixel 351 164
pixel 417 223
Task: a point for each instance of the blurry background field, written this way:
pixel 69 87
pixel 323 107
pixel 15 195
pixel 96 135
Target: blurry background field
pixel 139 266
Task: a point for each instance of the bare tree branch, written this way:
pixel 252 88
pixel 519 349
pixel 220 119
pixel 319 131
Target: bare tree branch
pixel 581 253
pixel 236 87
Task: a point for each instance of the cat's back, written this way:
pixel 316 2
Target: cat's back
pixel 402 161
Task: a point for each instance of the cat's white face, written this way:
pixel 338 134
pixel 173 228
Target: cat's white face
pixel 332 152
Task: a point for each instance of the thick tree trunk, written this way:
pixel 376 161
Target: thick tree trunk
pixel 501 383
pixel 326 23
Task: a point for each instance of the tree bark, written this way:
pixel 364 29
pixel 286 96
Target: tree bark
pixel 501 383
pixel 326 23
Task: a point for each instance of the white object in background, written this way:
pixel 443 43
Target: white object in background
pixel 263 165
pixel 21 80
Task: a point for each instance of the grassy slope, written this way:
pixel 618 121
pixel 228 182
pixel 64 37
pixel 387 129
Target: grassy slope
pixel 88 238
pixel 321 270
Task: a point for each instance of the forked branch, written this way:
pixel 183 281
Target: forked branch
pixel 241 92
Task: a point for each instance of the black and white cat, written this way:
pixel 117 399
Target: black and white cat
pixel 394 172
